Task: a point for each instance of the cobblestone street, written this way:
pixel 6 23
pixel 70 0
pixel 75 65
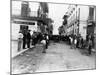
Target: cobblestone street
pixel 59 57
pixel 28 61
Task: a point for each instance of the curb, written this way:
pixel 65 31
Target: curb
pixel 20 52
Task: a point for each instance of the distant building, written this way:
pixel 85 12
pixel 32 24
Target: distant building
pixel 45 22
pixel 61 30
pixel 25 20
pixel 81 20
pixel 43 10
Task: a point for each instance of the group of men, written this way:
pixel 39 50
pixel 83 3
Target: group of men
pixel 78 42
pixel 24 37
pixel 32 39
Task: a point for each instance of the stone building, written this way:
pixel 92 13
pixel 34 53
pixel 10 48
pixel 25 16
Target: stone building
pixel 45 24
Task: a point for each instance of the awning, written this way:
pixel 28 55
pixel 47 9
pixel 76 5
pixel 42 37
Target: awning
pixel 28 20
pixel 19 21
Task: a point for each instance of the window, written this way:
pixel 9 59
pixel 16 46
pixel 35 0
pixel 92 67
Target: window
pixel 91 13
pixel 22 27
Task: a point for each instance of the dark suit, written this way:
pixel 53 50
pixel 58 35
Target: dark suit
pixel 24 40
pixel 28 39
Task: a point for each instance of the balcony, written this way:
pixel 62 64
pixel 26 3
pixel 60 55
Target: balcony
pixel 45 21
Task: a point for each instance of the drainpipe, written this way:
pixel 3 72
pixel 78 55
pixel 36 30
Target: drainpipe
pixel 78 20
pixel 76 15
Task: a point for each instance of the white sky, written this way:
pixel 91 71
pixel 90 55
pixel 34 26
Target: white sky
pixel 56 12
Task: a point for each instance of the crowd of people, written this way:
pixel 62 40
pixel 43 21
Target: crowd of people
pixel 75 41
pixel 26 38
pixel 79 42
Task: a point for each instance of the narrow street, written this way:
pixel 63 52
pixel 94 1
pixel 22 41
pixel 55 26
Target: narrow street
pixel 33 24
pixel 59 57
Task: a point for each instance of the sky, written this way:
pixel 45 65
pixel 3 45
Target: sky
pixel 56 12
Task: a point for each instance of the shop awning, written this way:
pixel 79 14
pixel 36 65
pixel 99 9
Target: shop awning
pixel 28 20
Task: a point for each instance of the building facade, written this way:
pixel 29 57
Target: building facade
pixel 25 9
pixel 22 21
pixel 81 20
pixel 45 24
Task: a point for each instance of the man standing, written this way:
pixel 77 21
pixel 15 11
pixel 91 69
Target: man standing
pixel 24 38
pixel 89 45
pixel 28 38
pixel 44 44
pixel 47 40
pixel 71 41
pixel 33 37
pixel 20 37
pixel 75 42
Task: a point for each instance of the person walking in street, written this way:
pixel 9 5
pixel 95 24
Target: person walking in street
pixel 44 44
pixel 20 37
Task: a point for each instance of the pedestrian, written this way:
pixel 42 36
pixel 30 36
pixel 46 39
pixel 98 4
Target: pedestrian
pixel 89 46
pixel 80 42
pixel 37 38
pixel 77 45
pixel 47 40
pixel 20 37
pixel 44 44
pixel 71 41
pixel 24 38
pixel 28 38
pixel 75 42
pixel 33 37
